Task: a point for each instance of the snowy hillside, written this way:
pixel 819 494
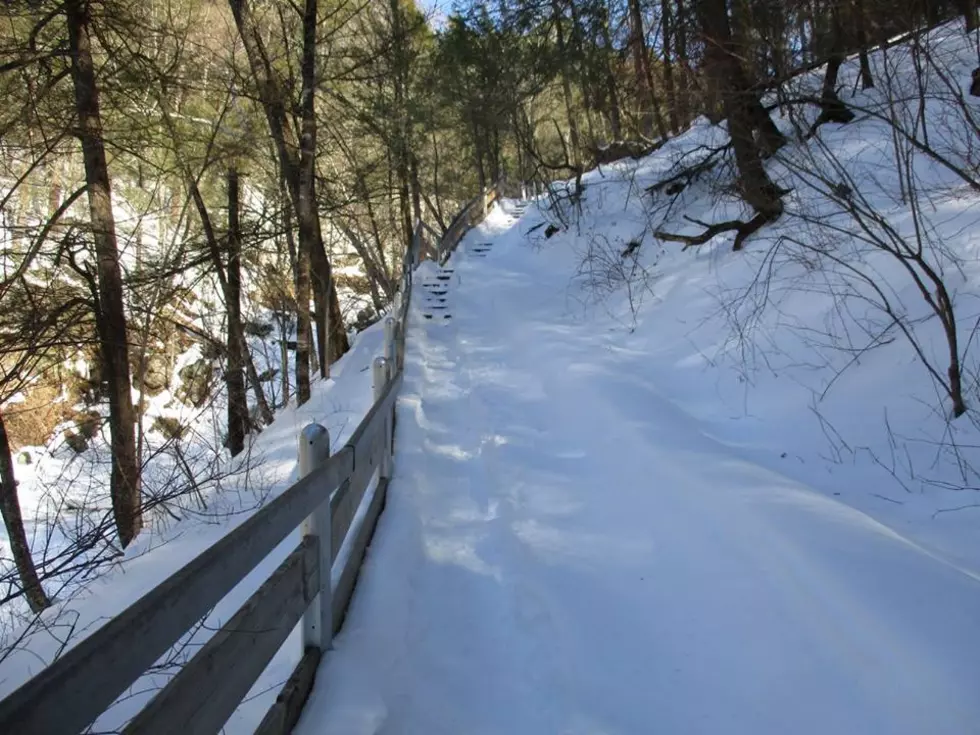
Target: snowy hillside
pixel 244 485
pixel 647 488
pixel 179 392
pixel 812 350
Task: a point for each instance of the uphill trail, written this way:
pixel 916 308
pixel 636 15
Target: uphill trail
pixel 566 551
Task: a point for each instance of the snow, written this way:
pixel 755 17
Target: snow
pixel 567 548
pixel 660 492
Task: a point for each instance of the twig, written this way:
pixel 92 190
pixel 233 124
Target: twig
pixel 950 510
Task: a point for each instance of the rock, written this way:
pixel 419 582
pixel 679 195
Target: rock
pixel 255 419
pixel 211 350
pixel 257 329
pixel 170 427
pixel 268 374
pixel 631 247
pixel 620 149
pixel 24 458
pixel 195 382
pixel 365 318
pixel 88 423
pixel 551 230
pixel 156 374
pixel 77 442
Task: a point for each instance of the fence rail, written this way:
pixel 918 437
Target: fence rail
pixel 71 693
pixel 471 214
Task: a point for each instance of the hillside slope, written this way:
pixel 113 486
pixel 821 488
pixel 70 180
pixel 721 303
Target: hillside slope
pixel 567 548
pixel 646 488
pixel 247 483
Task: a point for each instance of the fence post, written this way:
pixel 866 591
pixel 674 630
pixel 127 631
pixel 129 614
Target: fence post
pixel 399 348
pixel 327 326
pixel 314 450
pixel 390 325
pixel 381 374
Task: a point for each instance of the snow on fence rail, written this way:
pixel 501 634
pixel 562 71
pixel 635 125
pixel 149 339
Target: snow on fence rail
pixel 71 693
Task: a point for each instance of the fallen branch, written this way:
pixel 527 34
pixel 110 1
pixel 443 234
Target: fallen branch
pixel 743 230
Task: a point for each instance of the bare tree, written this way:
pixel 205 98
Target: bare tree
pixel 111 317
pixel 296 161
pixel 14 523
pixel 649 104
pixel 235 379
pixel 746 115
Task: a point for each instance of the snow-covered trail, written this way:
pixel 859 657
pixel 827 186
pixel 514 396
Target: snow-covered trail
pixel 566 551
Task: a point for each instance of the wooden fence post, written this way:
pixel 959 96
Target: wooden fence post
pixel 390 327
pixel 382 372
pixel 314 450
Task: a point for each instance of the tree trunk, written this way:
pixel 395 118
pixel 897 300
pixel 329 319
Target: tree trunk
pixel 615 116
pixel 741 108
pixel 234 377
pixel 669 88
pixel 739 81
pixel 478 151
pixel 803 40
pixel 337 343
pixel 234 315
pixel 566 87
pixel 303 326
pixel 309 226
pixel 416 192
pixel 644 74
pixel 680 42
pixel 298 173
pixel 861 34
pixel 14 523
pixel 124 482
pixel 320 275
pixel 265 411
pixel 969 10
pixel 578 62
pixel 400 138
pixel 284 361
pixel 436 189
pixel 832 109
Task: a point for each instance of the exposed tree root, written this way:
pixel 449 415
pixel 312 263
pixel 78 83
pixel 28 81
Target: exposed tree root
pixel 832 111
